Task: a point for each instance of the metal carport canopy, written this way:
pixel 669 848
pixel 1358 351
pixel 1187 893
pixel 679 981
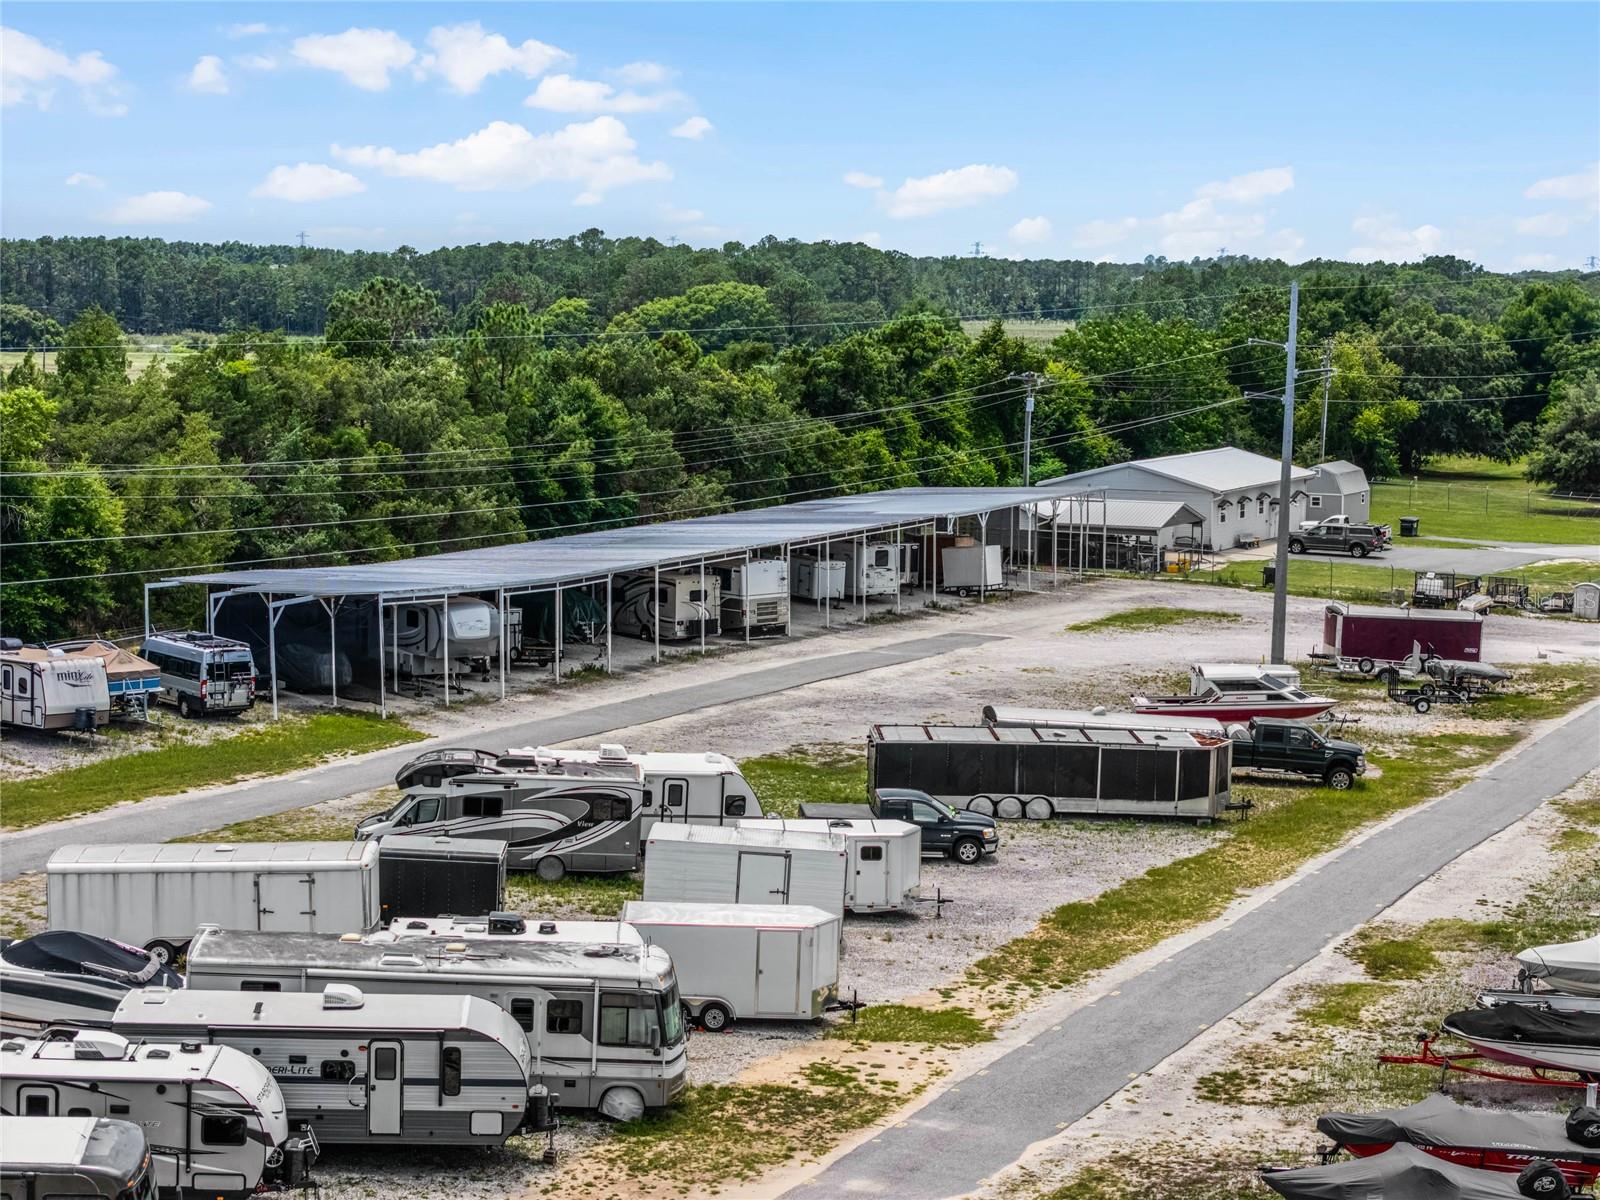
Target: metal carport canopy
pixel 547 562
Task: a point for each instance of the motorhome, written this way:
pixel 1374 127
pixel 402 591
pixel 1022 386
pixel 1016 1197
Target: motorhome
pixel 726 864
pixel 46 689
pixel 498 926
pixel 428 876
pixel 213 1115
pixel 687 604
pixel 201 672
pixel 884 870
pixel 755 596
pixel 816 579
pixel 156 895
pixel 42 1158
pixel 870 569
pixel 355 1067
pixel 603 1023
pixel 739 962
pixel 131 681
pixel 555 817
pixel 63 978
pixel 428 639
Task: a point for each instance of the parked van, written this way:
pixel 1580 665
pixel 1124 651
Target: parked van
pixel 74 1157
pixel 687 604
pixel 202 673
pixel 885 859
pixel 709 864
pixel 214 1116
pixel 47 689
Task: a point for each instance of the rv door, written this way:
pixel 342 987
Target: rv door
pixel 763 878
pixel 777 971
pixel 674 800
pixel 385 1087
pixel 870 887
pixel 284 902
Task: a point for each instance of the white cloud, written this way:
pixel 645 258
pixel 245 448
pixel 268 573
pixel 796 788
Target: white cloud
pixel 258 62
pixel 1249 187
pixel 564 94
pixel 305 181
pixel 870 238
pixel 643 74
pixel 860 179
pixel 1031 229
pixel 1536 262
pixel 1545 225
pixel 208 76
pixel 253 29
pixel 30 72
pixel 1105 231
pixel 464 55
pixel 682 216
pixel 960 188
pixel 1585 185
pixel 84 179
pixel 597 154
pixel 157 208
pixel 694 129
pixel 1384 238
pixel 363 56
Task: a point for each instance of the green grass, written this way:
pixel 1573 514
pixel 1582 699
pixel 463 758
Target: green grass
pixel 597 895
pixel 1155 617
pixel 1374 581
pixel 906 1023
pixel 310 824
pixel 828 775
pixel 1340 1005
pixel 1480 498
pixel 285 746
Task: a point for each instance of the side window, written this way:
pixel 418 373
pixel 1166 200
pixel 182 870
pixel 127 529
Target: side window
pixel 423 812
pixel 1242 508
pixel 676 790
pixel 1316 502
pixel 625 1019
pixel 229 1131
pixel 79 1112
pixel 22 685
pixel 1222 514
pixel 450 1071
pixel 522 1013
pixel 5 680
pixel 482 806
pixel 1272 735
pixel 385 1062
pixel 734 806
pixel 923 814
pixel 563 1016
pixel 339 1070
pixel 872 854
pixel 1261 506
pixel 1300 739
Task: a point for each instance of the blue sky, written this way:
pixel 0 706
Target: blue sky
pixel 1352 130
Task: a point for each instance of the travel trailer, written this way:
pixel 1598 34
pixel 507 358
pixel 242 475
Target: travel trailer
pixel 60 977
pixel 156 895
pixel 739 962
pixel 816 579
pixel 755 595
pixel 213 1115
pixel 555 816
pixel 422 644
pixel 687 603
pixel 870 569
pixel 360 1068
pixel 201 672
pixel 131 681
pixel 603 1023
pixel 711 864
pixel 46 689
pixel 884 872
pixel 427 876
pixel 42 1158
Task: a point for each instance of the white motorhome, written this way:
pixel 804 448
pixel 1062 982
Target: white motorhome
pixel 870 569
pixel 47 689
pixel 885 867
pixel 157 895
pixel 685 602
pixel 603 1023
pixel 76 1157
pixel 727 864
pixel 512 927
pixel 422 644
pixel 817 579
pixel 213 1116
pixel 755 594
pixel 359 1068
pixel 740 962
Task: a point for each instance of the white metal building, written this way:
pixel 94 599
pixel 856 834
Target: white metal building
pixel 1338 487
pixel 1161 522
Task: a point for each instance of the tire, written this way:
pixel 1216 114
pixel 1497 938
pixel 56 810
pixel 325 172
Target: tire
pixel 1358 550
pixel 1339 778
pixel 1010 808
pixel 1422 705
pixel 185 708
pixel 1365 666
pixel 714 1017
pixel 164 953
pixel 622 1104
pixel 1296 546
pixel 981 805
pixel 967 851
pixel 550 869
pixel 1544 1181
pixel 1389 676
pixel 1039 809
pixel 1429 690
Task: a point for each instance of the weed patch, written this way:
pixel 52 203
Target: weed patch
pixel 576 895
pixel 1156 617
pixel 1340 1005
pixel 822 774
pixel 906 1023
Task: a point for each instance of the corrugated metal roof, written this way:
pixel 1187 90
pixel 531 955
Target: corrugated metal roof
pixel 581 556
pixel 1225 469
pixel 1145 515
pixel 1345 476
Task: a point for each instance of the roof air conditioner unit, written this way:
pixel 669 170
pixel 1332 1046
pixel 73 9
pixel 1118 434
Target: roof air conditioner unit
pixel 342 995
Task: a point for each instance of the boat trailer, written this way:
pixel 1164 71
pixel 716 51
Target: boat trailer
pixel 1429 1055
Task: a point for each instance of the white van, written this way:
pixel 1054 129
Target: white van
pixel 201 672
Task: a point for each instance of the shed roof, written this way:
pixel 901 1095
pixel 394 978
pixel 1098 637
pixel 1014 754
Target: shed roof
pixel 1225 469
pixel 1145 515
pixel 1340 476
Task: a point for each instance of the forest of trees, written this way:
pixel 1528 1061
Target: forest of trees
pixel 488 394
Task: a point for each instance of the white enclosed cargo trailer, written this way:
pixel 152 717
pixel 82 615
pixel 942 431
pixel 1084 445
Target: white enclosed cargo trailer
pixel 741 962
pixel 712 864
pixel 966 569
pixel 157 895
pixel 885 859
pixel 870 569
pixel 817 578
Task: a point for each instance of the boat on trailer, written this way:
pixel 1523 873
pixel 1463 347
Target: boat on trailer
pixel 1571 967
pixel 1554 1049
pixel 1229 692
pixel 1405 1173
pixel 62 977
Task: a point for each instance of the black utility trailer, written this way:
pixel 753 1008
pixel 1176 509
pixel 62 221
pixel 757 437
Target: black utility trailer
pixel 1507 591
pixel 1441 589
pixel 1425 696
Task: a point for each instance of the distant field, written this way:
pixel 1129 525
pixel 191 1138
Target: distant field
pixel 1482 499
pixel 1030 331
pixel 141 355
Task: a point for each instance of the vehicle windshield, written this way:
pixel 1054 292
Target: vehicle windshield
pixel 233 669
pixel 943 809
pixel 671 1016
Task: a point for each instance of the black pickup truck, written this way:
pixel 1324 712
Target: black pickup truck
pixel 963 836
pixel 1342 537
pixel 1275 744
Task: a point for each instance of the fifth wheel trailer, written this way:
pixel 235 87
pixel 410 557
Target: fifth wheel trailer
pixel 157 895
pixel 885 867
pixel 721 864
pixel 1370 637
pixel 740 962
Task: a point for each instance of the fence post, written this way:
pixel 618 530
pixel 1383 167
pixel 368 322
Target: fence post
pixel 1447 497
pixel 1486 502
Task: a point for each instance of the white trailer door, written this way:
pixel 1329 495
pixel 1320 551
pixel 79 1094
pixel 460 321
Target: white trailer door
pixel 386 1079
pixel 778 971
pixel 674 801
pixel 763 878
pixel 869 884
pixel 283 901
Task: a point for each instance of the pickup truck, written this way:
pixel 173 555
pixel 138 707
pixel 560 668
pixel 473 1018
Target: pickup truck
pixel 951 832
pixel 1293 747
pixel 1343 536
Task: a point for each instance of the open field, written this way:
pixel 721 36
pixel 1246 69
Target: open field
pixel 1028 331
pixel 1483 499
pixel 1374 583
pixel 142 354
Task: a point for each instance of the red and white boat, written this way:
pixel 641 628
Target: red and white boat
pixel 1229 692
pixel 1532 1037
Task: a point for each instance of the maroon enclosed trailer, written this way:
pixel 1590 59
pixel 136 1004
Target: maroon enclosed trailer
pixel 1386 635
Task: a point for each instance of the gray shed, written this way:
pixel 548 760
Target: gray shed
pixel 1586 601
pixel 1338 487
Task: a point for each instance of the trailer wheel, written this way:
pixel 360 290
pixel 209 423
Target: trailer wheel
pixel 1339 778
pixel 982 805
pixel 967 851
pixel 1429 690
pixel 1296 546
pixel 1365 666
pixel 1389 676
pixel 1039 809
pixel 164 953
pixel 550 868
pixel 714 1017
pixel 1422 704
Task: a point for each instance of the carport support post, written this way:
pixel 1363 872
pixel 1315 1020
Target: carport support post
pixel 746 599
pixel 557 659
pixel 899 560
pixel 788 608
pixel 859 575
pixel 446 624
pixel 1055 545
pixel 333 648
pixel 608 624
pixel 983 555
pixel 705 608
pixel 505 638
pixel 147 612
pixel 383 695
pixel 655 606
pixel 933 567
pixel 826 599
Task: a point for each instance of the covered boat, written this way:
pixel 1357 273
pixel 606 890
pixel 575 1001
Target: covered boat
pixel 1531 1037
pixel 1555 1001
pixel 1229 692
pixel 1572 967
pixel 132 681
pixel 1400 1173
pixel 1469 1137
pixel 67 978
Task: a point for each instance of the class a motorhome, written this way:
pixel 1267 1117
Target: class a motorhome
pixel 755 594
pixel 817 579
pixel 603 1023
pixel 884 870
pixel 156 895
pixel 361 1068
pixel 47 689
pixel 712 864
pixel 42 1158
pixel 213 1117
pixel 555 816
pixel 687 604
pixel 424 644
pixel 497 926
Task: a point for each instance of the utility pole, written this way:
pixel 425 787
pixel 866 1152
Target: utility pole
pixel 1327 386
pixel 977 249
pixel 302 235
pixel 1280 591
pixel 1033 380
